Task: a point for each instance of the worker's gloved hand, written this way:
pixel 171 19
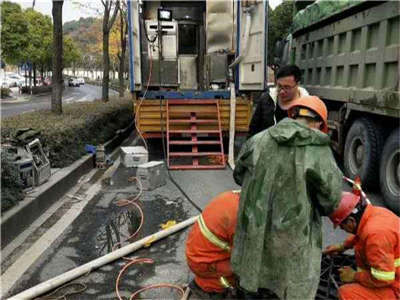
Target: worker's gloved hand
pixel 347 274
pixel 334 249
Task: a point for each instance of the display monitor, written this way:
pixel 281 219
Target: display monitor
pixel 164 14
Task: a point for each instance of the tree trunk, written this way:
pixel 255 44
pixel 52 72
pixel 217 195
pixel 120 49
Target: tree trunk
pixel 30 80
pixel 107 25
pixel 106 67
pixel 106 57
pixel 42 74
pixel 57 84
pixel 121 70
pixel 34 75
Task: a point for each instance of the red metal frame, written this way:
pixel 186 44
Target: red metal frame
pixel 194 131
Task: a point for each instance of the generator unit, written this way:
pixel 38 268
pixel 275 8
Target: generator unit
pixel 21 163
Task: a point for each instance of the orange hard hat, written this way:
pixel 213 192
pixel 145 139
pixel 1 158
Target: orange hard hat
pixel 348 202
pixel 314 104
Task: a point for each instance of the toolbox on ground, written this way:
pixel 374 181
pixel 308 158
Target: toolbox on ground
pixel 133 156
pixel 152 175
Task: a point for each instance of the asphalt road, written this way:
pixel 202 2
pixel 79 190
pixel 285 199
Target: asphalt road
pixel 85 92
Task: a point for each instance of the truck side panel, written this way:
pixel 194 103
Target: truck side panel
pixel 150 111
pixel 355 59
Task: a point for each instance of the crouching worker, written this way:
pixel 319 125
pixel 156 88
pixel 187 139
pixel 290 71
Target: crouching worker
pixel 375 237
pixel 208 247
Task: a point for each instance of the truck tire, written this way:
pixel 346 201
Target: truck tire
pixel 362 151
pixel 389 173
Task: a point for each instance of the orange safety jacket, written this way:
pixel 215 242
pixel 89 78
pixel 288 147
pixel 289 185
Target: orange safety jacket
pixel 377 249
pixel 211 237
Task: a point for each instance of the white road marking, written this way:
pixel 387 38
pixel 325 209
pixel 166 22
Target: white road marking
pixel 21 265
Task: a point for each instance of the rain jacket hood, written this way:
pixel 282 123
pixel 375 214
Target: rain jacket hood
pixel 293 133
pixel 289 180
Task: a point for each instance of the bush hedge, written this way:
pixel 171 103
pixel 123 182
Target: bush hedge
pixel 66 135
pixel 5 92
pixel 37 89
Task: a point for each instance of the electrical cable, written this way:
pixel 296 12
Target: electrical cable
pixel 142 98
pixel 147 36
pixel 126 202
pixel 127 265
pixel 166 285
pixel 63 296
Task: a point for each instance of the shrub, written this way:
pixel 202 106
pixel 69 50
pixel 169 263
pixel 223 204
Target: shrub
pixel 36 89
pixel 5 92
pixel 11 186
pixel 65 136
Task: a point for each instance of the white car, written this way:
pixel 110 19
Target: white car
pixel 81 80
pixel 16 80
pixel 6 82
pixel 73 82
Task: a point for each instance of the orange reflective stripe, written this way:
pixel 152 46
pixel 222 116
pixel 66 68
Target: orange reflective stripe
pixel 224 282
pixel 383 275
pixel 211 237
pixel 397 262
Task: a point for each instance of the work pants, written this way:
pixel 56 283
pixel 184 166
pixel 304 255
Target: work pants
pixel 355 291
pixel 207 275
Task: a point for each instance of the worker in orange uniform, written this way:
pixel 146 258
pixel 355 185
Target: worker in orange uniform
pixel 375 237
pixel 208 247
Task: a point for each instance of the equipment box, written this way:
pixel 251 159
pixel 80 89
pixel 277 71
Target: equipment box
pixel 134 156
pixel 152 175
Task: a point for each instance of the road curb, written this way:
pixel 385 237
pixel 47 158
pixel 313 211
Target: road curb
pixel 21 216
pixel 15 101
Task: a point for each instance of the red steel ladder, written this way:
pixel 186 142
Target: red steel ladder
pixel 194 126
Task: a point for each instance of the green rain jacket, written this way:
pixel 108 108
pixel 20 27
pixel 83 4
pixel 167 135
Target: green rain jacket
pixel 289 179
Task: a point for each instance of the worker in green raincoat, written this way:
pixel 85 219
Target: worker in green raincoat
pixel 289 179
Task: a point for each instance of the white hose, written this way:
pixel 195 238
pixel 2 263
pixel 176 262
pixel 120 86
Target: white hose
pixel 232 122
pixel 245 40
pixel 53 283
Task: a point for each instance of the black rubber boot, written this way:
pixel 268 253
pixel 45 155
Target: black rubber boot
pixel 199 293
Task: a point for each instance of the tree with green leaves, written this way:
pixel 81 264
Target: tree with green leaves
pixel 72 54
pixel 38 52
pixel 280 21
pixel 14 33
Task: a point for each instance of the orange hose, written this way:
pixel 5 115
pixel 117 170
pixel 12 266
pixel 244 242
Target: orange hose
pixel 125 202
pixel 133 261
pixel 159 285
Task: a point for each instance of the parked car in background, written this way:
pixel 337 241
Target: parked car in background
pixel 81 80
pixel 73 82
pixel 15 80
pixel 5 82
pixel 47 81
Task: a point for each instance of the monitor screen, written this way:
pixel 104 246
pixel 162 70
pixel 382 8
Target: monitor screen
pixel 164 14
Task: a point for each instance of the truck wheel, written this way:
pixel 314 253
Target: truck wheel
pixel 362 151
pixel 389 172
